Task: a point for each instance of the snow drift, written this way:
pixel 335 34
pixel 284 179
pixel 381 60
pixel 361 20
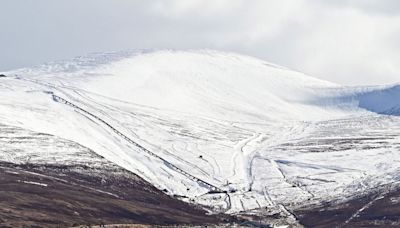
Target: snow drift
pixel 381 100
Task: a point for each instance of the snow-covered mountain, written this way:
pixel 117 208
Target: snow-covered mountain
pixel 220 129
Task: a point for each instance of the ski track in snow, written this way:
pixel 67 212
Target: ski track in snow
pixel 215 130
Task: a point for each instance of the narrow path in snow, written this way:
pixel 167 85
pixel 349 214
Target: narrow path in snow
pixel 239 160
pixel 366 206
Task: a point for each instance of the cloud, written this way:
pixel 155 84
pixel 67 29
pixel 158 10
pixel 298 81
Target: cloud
pixel 345 41
pixel 385 7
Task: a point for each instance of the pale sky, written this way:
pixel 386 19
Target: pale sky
pixel 351 42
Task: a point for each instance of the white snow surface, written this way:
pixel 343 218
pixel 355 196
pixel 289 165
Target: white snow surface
pixel 267 135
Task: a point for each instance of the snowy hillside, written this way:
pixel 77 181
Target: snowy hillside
pixel 224 130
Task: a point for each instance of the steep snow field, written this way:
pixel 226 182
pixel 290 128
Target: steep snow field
pixel 224 130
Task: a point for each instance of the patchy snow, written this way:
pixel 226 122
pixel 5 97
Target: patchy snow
pixel 35 183
pixel 199 121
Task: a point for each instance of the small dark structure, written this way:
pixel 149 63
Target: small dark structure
pixel 2 76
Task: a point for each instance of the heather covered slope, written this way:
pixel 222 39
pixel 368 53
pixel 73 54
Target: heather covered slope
pixel 253 134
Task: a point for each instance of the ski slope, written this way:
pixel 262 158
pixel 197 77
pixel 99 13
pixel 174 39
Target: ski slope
pixel 227 131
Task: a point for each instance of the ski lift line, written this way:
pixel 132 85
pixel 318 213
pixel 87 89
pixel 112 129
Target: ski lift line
pixel 56 98
pixel 174 167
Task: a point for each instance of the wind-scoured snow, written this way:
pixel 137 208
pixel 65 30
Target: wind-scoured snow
pixel 225 130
